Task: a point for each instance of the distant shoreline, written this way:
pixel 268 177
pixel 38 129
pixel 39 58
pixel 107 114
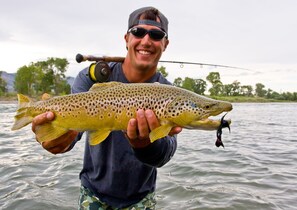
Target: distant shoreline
pixel 245 99
pixel 8 101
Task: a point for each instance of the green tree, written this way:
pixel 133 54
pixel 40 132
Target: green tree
pixel 163 71
pixel 47 79
pixel 216 89
pixel 269 93
pixel 246 90
pixel 217 86
pixel 235 88
pixel 227 89
pixel 26 79
pixel 195 85
pixel 3 84
pixel 54 78
pixel 231 89
pixel 178 82
pixel 214 77
pixel 260 91
pixel 188 83
pixel 294 96
pixel 199 86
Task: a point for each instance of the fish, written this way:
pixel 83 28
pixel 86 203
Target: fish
pixel 109 106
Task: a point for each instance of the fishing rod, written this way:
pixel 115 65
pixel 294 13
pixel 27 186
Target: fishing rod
pixel 100 71
pixel 203 64
pixel 80 58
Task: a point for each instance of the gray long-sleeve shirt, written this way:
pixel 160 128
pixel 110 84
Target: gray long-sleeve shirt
pixel 115 172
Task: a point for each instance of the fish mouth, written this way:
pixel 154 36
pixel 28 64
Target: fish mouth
pixel 225 107
pixel 228 108
pixel 209 115
pixel 206 124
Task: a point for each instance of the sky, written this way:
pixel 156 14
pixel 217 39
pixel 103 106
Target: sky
pixel 258 35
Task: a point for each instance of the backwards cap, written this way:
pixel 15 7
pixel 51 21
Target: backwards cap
pixel 134 19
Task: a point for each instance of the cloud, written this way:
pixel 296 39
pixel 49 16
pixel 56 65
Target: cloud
pixel 4 36
pixel 257 35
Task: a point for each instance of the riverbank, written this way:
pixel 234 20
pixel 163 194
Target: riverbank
pixel 245 99
pixel 8 99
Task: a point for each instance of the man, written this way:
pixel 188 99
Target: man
pixel 120 173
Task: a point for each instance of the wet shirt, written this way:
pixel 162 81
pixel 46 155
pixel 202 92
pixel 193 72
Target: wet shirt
pixel 115 172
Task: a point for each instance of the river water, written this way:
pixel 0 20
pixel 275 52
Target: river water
pixel 257 169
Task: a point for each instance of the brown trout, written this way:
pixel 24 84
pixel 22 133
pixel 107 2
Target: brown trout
pixel 109 106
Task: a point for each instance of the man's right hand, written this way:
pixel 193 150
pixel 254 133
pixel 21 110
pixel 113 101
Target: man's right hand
pixel 58 145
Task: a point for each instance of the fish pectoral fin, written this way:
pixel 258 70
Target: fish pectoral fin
pixel 96 137
pixel 48 132
pixel 160 132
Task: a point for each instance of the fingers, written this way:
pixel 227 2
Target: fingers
pixel 41 119
pixel 175 130
pixel 138 129
pixel 141 126
pixel 132 132
pixel 60 144
pixel 152 119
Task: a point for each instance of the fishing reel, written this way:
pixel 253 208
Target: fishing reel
pixel 99 71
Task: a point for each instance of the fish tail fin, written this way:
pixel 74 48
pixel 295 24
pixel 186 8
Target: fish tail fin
pixel 22 117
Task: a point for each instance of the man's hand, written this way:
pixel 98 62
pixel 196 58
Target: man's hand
pixel 59 145
pixel 138 129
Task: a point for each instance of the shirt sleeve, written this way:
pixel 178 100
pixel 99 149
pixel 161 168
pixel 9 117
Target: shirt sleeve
pixel 158 153
pixel 82 82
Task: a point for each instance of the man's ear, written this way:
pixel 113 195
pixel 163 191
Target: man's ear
pixel 126 37
pixel 166 44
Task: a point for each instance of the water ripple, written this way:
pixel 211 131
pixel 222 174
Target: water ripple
pixel 256 170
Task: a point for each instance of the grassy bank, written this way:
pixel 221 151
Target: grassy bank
pixel 9 97
pixel 245 99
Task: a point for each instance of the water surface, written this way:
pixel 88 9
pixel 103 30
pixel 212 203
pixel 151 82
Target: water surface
pixel 256 170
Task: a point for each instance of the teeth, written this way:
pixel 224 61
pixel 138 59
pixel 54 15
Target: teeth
pixel 144 52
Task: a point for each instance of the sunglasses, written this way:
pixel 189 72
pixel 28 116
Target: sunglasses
pixel 154 34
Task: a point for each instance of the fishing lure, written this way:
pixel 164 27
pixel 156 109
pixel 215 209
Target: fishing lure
pixel 224 124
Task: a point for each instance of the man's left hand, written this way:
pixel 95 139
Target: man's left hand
pixel 138 129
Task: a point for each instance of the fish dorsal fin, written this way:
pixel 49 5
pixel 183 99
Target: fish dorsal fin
pixel 24 101
pixel 45 96
pixel 104 85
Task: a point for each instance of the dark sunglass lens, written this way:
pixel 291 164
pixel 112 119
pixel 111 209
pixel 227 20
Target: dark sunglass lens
pixel 139 32
pixel 156 34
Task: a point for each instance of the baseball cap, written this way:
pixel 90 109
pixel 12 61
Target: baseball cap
pixel 134 19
